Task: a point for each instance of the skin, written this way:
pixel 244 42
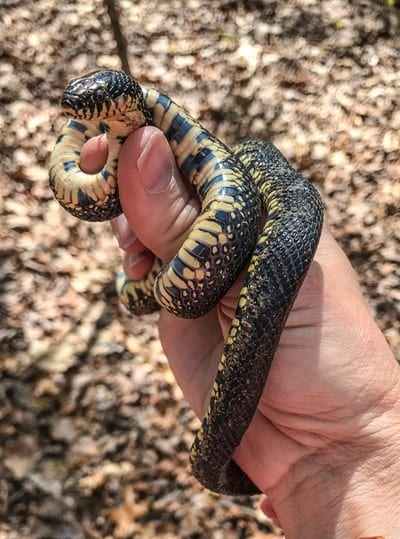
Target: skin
pixel 324 443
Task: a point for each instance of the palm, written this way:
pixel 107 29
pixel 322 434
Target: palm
pixel 309 398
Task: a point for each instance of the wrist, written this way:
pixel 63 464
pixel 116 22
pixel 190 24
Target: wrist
pixel 346 491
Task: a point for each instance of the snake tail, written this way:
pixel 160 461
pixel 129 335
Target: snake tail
pixel 280 261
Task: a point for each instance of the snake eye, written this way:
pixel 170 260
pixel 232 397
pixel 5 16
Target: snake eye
pixel 99 95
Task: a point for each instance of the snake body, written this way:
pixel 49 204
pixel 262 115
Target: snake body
pixel 234 188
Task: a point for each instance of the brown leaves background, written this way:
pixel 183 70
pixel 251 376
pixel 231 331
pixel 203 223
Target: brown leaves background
pixel 94 433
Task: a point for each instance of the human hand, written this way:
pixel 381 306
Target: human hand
pixel 324 439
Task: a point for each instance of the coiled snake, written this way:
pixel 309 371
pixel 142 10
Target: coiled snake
pixel 234 188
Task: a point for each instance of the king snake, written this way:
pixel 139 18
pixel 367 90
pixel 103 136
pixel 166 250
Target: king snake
pixel 236 189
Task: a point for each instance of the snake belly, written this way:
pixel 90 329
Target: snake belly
pixel 234 187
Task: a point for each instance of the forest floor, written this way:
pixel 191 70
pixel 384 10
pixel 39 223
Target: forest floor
pixel 94 432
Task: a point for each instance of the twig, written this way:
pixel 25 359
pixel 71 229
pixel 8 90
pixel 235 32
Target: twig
pixel 118 35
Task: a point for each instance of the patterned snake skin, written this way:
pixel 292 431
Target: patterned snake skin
pixel 234 188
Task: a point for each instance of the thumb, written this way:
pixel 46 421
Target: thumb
pixel 158 206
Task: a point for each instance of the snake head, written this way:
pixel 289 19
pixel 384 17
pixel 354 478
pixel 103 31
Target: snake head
pixel 102 95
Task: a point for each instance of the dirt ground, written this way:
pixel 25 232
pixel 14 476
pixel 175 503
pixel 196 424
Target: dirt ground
pixel 94 432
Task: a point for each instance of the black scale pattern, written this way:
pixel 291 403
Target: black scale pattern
pixel 281 257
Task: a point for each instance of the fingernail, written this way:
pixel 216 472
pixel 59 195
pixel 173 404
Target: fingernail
pixel 131 259
pixel 123 232
pixel 154 165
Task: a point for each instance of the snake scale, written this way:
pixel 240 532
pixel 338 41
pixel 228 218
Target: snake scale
pixel 236 188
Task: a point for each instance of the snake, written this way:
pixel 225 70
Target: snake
pixel 258 215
